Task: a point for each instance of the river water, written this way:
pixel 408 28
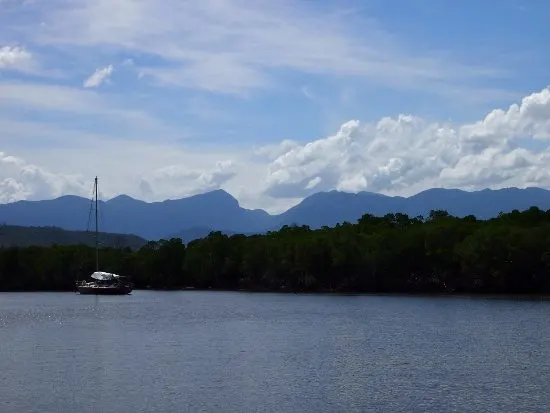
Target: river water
pixel 241 352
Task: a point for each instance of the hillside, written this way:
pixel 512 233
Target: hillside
pixel 11 235
pixel 217 210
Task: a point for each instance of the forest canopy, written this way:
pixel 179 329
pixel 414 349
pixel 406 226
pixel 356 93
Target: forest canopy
pixel 394 253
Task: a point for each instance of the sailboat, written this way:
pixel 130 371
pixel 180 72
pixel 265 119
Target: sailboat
pixel 103 283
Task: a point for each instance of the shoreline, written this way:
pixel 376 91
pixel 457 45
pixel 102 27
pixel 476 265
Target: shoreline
pixel 489 295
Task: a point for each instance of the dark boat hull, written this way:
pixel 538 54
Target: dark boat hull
pixel 104 290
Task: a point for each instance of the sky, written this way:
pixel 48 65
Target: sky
pixel 272 100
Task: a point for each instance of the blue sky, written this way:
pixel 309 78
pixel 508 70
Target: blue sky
pixel 271 101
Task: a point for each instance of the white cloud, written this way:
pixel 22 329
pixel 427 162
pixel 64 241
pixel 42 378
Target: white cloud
pixel 20 180
pixel 530 118
pixel 406 154
pixel 99 77
pixel 275 150
pixel 291 172
pixel 149 171
pixel 15 57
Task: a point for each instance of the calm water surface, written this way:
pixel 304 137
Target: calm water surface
pixel 239 352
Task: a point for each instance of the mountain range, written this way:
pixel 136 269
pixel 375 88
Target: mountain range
pixel 195 216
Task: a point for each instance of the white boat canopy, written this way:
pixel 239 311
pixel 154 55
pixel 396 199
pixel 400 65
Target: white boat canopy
pixel 104 276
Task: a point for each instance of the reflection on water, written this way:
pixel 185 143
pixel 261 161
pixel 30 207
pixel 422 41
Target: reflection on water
pixel 238 352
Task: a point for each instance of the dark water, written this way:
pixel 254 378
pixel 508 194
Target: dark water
pixel 238 352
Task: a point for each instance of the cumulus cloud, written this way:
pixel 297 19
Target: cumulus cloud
pixel 274 151
pixel 406 154
pixel 15 57
pixel 178 180
pixel 99 77
pixel 20 180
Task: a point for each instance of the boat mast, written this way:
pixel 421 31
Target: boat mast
pixel 96 230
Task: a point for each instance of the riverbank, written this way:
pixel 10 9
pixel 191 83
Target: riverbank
pixel 465 295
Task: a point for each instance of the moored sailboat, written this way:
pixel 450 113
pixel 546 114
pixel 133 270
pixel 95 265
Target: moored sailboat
pixel 103 283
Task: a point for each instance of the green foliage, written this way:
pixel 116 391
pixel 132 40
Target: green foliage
pixel 394 253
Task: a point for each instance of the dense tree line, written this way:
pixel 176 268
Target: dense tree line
pixel 394 253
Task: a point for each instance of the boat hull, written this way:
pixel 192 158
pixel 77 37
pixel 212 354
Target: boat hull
pixel 104 290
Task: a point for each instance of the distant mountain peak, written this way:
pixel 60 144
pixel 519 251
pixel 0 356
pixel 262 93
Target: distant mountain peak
pixel 220 195
pixel 220 192
pixel 122 197
pixel 124 201
pixel 438 190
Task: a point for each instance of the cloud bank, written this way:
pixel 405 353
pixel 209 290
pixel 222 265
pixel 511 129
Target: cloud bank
pixel 396 155
pixel 20 180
